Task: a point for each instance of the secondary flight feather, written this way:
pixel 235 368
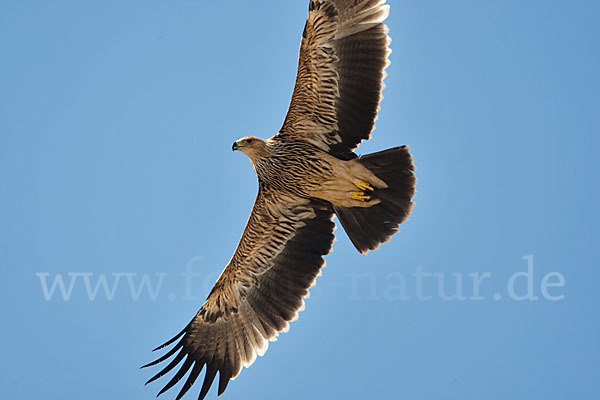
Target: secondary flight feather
pixel 307 172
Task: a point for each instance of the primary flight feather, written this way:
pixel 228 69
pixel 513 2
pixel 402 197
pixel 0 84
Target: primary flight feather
pixel 307 172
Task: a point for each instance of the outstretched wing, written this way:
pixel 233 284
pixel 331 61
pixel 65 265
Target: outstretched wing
pixel 260 291
pixel 343 55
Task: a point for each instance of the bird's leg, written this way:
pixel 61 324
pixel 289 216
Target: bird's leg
pixel 365 193
pixel 362 185
pixel 361 196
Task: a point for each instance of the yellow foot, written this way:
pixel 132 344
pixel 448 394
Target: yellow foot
pixel 362 185
pixel 360 196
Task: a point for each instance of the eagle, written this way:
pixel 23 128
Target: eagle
pixel 307 173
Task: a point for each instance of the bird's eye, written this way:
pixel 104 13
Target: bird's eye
pixel 248 141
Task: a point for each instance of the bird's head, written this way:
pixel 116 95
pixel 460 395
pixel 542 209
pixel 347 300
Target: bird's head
pixel 252 146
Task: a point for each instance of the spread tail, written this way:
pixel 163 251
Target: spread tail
pixel 368 227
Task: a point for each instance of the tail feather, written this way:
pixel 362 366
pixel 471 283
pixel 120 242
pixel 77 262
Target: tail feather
pixel 368 227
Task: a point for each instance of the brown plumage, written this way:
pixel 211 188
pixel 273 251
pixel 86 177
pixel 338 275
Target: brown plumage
pixel 307 173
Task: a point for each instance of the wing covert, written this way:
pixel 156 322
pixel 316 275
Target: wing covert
pixel 341 63
pixel 258 293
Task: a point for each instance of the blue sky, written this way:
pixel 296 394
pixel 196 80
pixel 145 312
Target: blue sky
pixel 116 124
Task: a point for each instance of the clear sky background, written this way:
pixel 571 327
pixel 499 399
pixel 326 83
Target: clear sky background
pixel 116 124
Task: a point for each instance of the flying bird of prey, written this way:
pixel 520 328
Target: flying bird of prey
pixel 307 172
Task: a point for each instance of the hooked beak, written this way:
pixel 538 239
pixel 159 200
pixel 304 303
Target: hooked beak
pixel 235 146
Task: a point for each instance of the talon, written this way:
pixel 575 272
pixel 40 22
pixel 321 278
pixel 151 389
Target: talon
pixel 360 196
pixel 362 185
